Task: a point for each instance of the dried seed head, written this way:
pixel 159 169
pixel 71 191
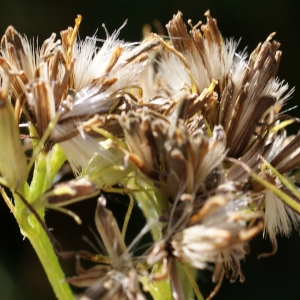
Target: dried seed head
pixel 101 80
pixel 167 152
pixel 216 233
pixel 246 96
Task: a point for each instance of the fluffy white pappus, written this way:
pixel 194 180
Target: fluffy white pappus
pixel 255 87
pixel 147 78
pixel 277 146
pixel 269 150
pixel 218 62
pixel 87 102
pixel 203 243
pixel 237 71
pixel 84 53
pixel 229 48
pixel 91 61
pixel 172 75
pixel 279 218
pixel 199 245
pixel 240 204
pixel 128 74
pixel 81 149
pixel 236 74
pixel 200 71
pixel 31 56
pixel 215 155
pixel 278 90
pixel 272 88
pixel 91 64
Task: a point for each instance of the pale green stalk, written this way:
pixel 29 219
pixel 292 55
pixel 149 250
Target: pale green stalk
pixel 152 202
pixel 189 280
pixel 161 290
pixel 284 180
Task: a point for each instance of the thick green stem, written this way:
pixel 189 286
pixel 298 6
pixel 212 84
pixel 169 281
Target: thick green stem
pixel 51 265
pixel 35 230
pixel 32 229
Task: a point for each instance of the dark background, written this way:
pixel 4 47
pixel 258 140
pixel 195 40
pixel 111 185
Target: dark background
pixel 277 277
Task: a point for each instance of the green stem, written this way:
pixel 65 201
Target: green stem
pixel 32 228
pixel 43 247
pixel 152 202
pixel 190 285
pixel 159 289
pixel 39 176
pixel 150 213
pixel 56 161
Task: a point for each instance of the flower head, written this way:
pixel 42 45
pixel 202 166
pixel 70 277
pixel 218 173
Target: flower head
pixel 70 87
pixel 165 151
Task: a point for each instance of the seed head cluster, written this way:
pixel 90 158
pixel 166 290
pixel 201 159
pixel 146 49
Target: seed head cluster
pixel 186 125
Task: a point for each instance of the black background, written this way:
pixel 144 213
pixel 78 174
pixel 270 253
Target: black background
pixel 277 277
